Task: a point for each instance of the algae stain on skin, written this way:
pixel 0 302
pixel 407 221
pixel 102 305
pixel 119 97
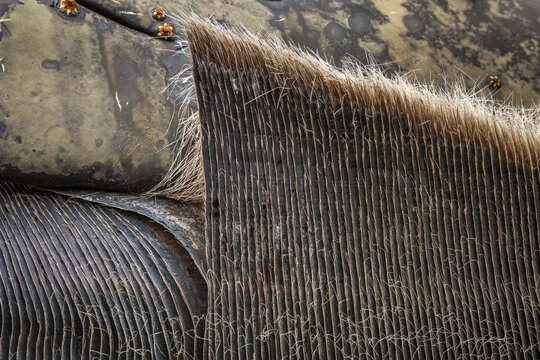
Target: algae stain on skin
pixel 252 14
pixel 140 116
pixel 64 98
pixel 392 31
pixel 40 116
pixel 433 38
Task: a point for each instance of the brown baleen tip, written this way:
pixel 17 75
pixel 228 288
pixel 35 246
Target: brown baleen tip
pixel 70 7
pixel 165 31
pixel 159 13
pixel 453 111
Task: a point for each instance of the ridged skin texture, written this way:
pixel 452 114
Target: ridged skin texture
pixel 83 281
pixel 337 229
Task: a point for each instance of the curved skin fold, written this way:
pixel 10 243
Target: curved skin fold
pixel 79 280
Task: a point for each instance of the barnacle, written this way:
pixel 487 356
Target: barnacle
pixel 494 82
pixel 165 30
pixel 159 13
pixel 70 6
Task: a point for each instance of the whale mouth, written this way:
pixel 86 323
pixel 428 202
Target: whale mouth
pixel 347 214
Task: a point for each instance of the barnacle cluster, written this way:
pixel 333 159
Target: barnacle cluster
pixel 165 30
pixel 494 82
pixel 70 6
pixel 159 13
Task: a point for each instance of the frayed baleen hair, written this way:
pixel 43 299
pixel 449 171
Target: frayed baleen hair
pixel 354 215
pixel 185 179
pixel 450 111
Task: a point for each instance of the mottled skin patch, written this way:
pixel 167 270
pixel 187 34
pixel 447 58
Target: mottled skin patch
pixel 430 37
pixel 435 39
pixel 86 96
pixel 138 14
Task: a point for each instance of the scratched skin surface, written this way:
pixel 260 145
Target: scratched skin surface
pixel 82 101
